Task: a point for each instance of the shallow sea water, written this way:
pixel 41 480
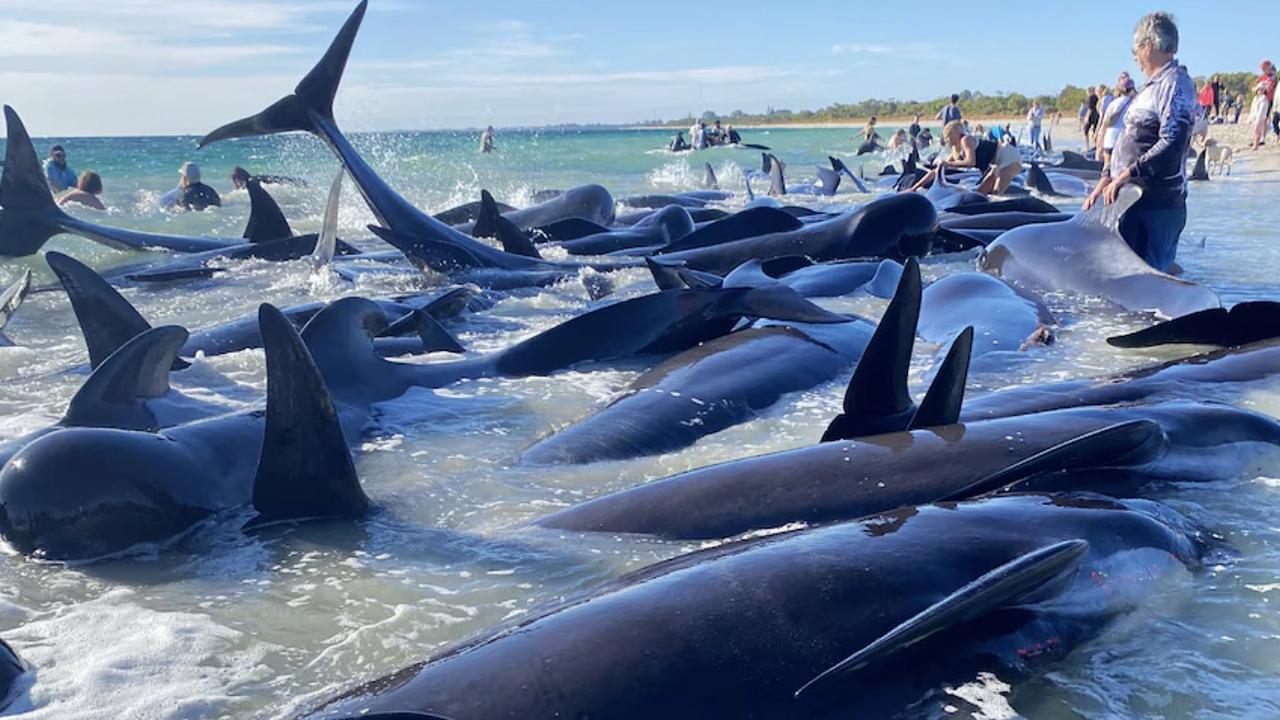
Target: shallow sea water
pixel 222 624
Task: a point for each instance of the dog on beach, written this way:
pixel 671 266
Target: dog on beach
pixel 1217 156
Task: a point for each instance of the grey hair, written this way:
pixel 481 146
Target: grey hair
pixel 1159 29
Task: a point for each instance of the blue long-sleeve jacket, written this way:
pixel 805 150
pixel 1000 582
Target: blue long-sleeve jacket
pixel 1157 133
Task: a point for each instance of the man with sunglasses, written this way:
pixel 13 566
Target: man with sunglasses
pixel 59 174
pixel 1151 151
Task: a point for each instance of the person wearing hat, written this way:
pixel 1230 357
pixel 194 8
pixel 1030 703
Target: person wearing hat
pixel 57 172
pixel 193 194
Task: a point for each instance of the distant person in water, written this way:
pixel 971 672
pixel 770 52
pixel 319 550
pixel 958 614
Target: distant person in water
pixel 192 194
pixel 998 164
pixel 1113 118
pixel 240 179
pixel 924 139
pixel 914 130
pixel 1152 150
pixel 85 192
pixel 486 140
pixel 678 144
pixel 951 111
pixel 734 137
pixel 57 172
pixel 1035 117
pixel 899 139
pixel 718 135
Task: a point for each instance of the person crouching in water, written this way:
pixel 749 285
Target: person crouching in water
pixel 999 164
pixel 193 194
pixel 88 188
pixel 1152 150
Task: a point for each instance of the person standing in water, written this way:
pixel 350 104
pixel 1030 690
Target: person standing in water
pixel 1035 116
pixel 486 140
pixel 1113 119
pixel 85 192
pixel 951 111
pixel 191 194
pixel 1151 152
pixel 56 171
pixel 914 130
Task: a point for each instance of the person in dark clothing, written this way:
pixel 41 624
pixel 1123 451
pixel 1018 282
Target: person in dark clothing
pixel 914 130
pixel 1216 84
pixel 1092 118
pixel 193 194
pixel 1152 150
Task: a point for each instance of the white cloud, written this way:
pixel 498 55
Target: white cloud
pixel 914 50
pixel 52 45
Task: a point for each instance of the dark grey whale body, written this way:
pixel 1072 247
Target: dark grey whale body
pixel 860 617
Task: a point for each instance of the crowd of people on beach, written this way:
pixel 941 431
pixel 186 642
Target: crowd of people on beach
pixel 190 194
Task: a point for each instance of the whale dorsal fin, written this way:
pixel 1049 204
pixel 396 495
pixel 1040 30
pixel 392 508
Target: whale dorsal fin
pixel 1106 216
pixel 942 401
pixel 877 399
pixel 327 241
pixel 1039 181
pixel 266 220
pixel 22 184
pixel 777 182
pixel 429 330
pixel 885 281
pixel 107 320
pixel 138 371
pixel 1041 573
pixel 665 274
pixel 829 179
pixel 709 180
pixel 490 223
pixel 304 470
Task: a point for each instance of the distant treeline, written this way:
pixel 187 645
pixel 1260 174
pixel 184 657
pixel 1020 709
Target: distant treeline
pixel 972 103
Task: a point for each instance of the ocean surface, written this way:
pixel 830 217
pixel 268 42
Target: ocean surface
pixel 220 624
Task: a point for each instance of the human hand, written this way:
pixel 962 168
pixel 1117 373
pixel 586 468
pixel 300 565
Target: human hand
pixel 1097 193
pixel 1113 189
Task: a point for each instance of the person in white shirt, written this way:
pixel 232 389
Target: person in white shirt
pixel 1113 119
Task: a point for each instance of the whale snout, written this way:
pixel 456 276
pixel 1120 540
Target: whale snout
pixel 85 493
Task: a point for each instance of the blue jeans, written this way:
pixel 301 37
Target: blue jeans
pixel 1035 136
pixel 1152 230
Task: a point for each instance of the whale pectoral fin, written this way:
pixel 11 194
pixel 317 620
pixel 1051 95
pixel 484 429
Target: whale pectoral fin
pixel 327 240
pixel 665 273
pixel 305 469
pixel 112 396
pixel 193 273
pixel 1031 575
pixel 778 302
pixel 877 400
pixel 698 279
pixel 435 338
pixel 451 303
pixel 266 220
pixel 1120 445
pixel 13 296
pixel 1246 322
pixel 942 401
pixel 107 320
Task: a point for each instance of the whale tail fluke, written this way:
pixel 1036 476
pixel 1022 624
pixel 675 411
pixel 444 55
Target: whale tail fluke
pixel 312 97
pixel 10 300
pixel 138 371
pixel 828 181
pixel 28 215
pixel 838 165
pixel 490 223
pixel 107 320
pixel 877 399
pixel 266 220
pixel 305 470
pixel 942 401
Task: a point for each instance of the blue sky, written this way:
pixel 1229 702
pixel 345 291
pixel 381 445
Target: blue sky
pixel 109 67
